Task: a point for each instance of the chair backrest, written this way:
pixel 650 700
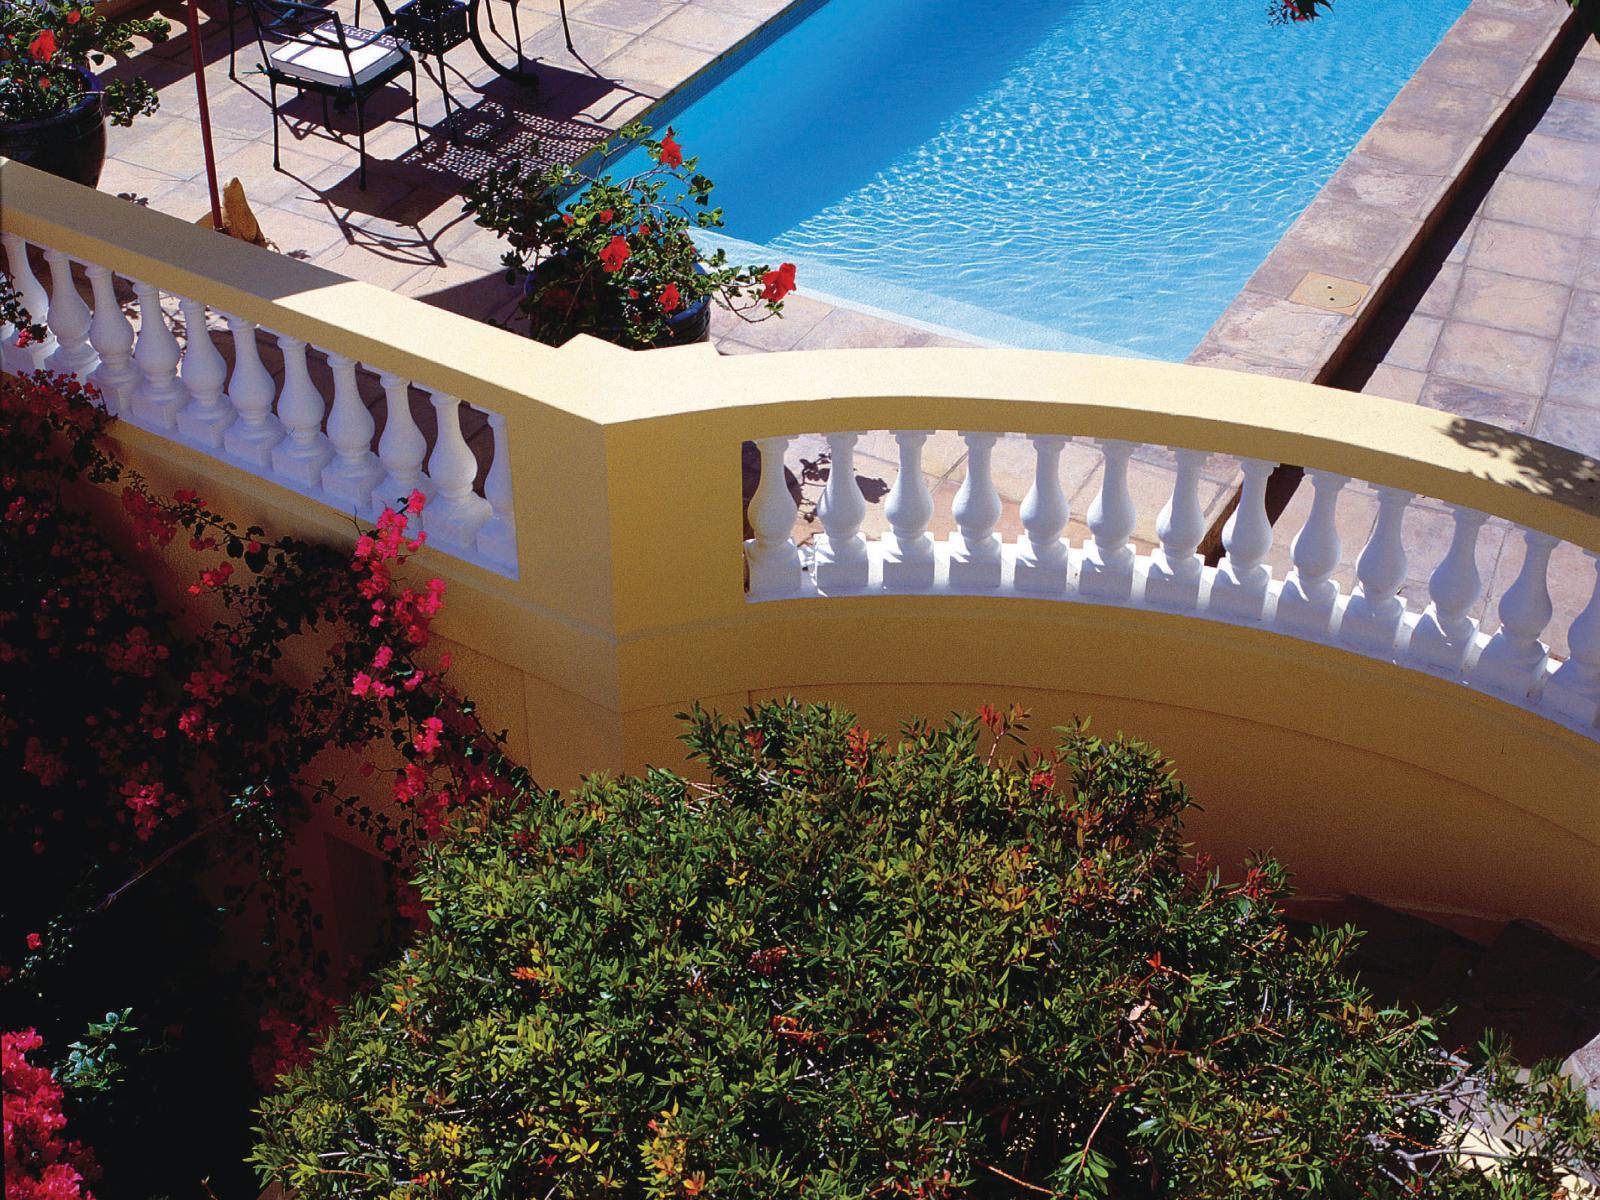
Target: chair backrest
pixel 281 21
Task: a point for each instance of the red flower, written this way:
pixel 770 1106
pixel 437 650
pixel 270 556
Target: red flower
pixel 34 941
pixel 775 285
pixel 606 216
pixel 670 300
pixel 74 17
pixel 615 254
pixel 671 152
pixel 43 47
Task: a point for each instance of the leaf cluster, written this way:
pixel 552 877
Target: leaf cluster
pixel 34 86
pixel 850 968
pixel 561 224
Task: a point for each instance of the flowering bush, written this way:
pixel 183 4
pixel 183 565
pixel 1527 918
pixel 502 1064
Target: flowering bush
pixel 47 45
pixel 843 968
pixel 40 1163
pixel 157 778
pixel 617 261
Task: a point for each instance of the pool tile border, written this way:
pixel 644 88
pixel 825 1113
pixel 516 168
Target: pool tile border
pixel 1397 186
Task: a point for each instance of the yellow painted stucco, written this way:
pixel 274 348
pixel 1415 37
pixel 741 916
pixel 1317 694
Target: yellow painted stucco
pixel 1365 777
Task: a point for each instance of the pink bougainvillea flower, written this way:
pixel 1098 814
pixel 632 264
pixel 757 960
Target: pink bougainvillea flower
pixel 775 285
pixel 427 741
pixel 670 300
pixel 615 254
pixel 43 47
pixel 34 941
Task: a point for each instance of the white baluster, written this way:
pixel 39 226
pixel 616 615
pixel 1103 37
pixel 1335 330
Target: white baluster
pixel 842 561
pixel 349 478
pixel 1173 574
pixel 1106 568
pixel 1372 618
pixel 23 359
pixel 1306 603
pixel 773 557
pixel 111 335
pixel 160 394
pixel 1514 659
pixel 400 449
pixel 251 390
pixel 908 560
pixel 497 540
pixel 302 455
pixel 1573 691
pixel 975 547
pixel 1239 589
pixel 69 321
pixel 1445 632
pixel 1041 554
pixel 455 512
pixel 204 373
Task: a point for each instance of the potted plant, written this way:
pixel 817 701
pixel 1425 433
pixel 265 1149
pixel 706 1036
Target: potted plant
pixel 614 258
pixel 53 109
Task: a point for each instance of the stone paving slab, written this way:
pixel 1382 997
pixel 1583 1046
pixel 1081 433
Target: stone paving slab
pixel 1366 223
pixel 407 229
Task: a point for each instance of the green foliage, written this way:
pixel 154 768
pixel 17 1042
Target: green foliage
pixel 614 258
pixel 844 968
pixel 93 1062
pixel 46 48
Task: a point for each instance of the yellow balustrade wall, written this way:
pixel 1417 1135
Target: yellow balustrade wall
pixel 1364 776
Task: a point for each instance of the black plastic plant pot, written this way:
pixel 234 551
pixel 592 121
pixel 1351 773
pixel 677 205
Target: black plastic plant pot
pixel 71 144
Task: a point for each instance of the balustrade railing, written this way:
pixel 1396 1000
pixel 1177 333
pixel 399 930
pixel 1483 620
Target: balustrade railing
pixel 1373 618
pixel 353 398
pixel 251 397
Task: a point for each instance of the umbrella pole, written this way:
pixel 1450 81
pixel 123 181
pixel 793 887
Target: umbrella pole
pixel 565 28
pixel 205 114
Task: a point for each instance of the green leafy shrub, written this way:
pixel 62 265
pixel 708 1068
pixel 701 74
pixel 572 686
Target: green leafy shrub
pixel 848 969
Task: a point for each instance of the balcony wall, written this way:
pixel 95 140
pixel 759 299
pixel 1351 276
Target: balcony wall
pixel 598 578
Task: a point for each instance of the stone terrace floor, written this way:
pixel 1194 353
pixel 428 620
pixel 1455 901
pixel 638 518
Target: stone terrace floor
pixel 1501 322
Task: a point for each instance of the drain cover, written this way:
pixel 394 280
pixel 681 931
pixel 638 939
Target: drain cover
pixel 1329 292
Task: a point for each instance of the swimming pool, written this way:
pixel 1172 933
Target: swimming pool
pixel 1098 175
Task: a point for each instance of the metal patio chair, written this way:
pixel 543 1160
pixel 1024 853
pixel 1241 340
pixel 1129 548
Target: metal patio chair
pixel 311 50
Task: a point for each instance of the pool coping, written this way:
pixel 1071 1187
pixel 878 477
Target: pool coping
pixel 1368 224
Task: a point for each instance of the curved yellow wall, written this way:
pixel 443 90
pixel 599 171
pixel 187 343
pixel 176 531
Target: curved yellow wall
pixel 1362 776
pixel 629 603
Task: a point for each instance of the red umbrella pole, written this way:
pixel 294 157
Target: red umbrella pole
pixel 205 115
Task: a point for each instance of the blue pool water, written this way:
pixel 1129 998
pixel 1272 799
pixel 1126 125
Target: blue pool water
pixel 1069 174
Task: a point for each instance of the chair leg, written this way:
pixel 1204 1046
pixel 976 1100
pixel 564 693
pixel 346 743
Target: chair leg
pixel 326 119
pixel 273 84
pixel 233 11
pixel 416 117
